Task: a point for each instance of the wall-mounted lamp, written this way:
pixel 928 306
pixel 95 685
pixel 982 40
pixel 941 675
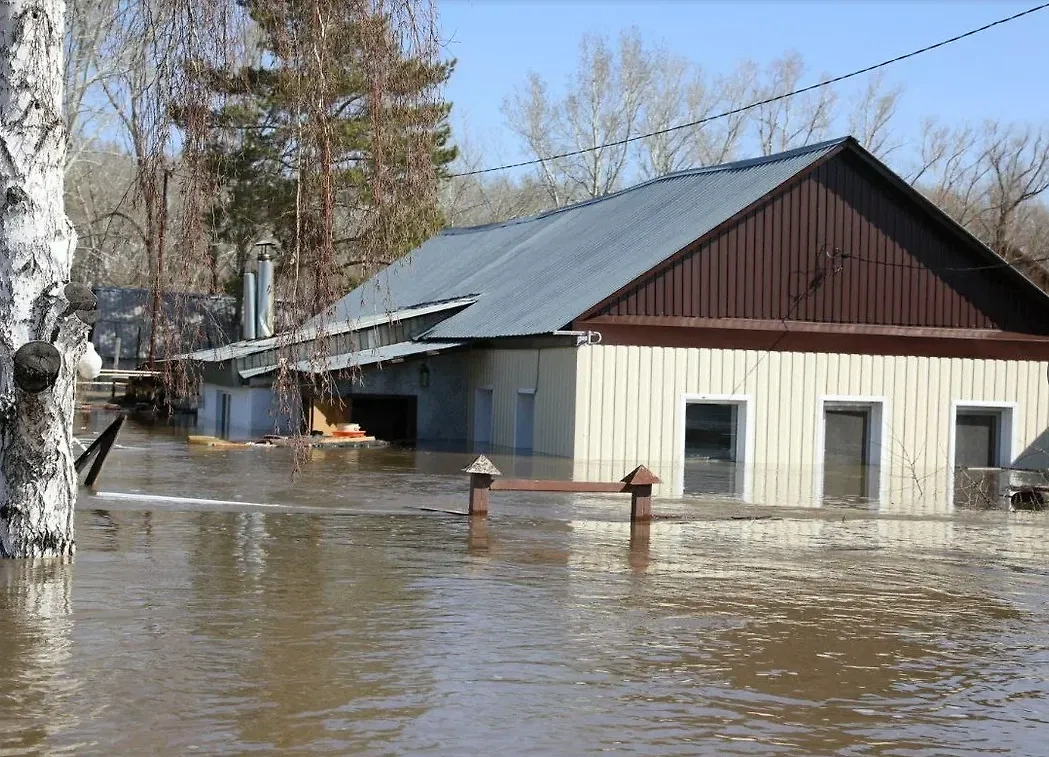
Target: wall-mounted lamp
pixel 424 377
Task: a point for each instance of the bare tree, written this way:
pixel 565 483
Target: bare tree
pixel 531 115
pixel 792 121
pixel 988 179
pixel 950 170
pixel 679 93
pixel 1017 159
pixel 873 111
pixel 601 110
pixel 88 24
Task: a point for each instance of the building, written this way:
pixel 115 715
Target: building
pixel 123 331
pixel 789 329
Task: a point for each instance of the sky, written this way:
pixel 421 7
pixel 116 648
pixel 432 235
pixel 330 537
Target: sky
pixel 1001 73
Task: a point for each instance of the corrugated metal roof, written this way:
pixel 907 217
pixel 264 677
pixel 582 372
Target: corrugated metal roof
pixel 383 354
pixel 331 328
pixel 535 275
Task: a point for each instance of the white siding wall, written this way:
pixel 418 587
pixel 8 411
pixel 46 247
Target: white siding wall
pixel 253 412
pixel 629 412
pixel 550 372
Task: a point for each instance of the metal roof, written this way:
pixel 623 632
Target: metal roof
pixel 385 354
pixel 536 275
pixel 327 328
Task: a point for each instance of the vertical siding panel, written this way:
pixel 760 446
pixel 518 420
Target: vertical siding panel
pixel 671 429
pixel 648 392
pixel 780 252
pixel 704 290
pixel 598 419
pixel 924 415
pixel 769 272
pixel 936 448
pixel 907 428
pixel 659 400
pixel 632 405
pixel 799 230
pixel 583 398
pixel 685 294
pixel 752 268
pixel 1022 420
pixel 601 414
pixel 788 457
pixel 703 370
pixel 679 286
pixel 620 391
pixel 733 264
pixel 842 191
pixel 968 377
pixel 692 371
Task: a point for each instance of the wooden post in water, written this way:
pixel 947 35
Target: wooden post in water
pixel 482 473
pixel 639 482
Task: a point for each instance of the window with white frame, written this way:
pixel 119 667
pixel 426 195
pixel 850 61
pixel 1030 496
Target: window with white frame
pixel 981 440
pixel 851 454
pixel 714 453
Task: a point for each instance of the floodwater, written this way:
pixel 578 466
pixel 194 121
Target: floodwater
pixel 334 617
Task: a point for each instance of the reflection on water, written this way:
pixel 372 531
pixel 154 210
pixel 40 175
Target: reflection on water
pixel 553 629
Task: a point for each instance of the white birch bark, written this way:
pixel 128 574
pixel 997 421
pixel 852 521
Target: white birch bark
pixel 37 482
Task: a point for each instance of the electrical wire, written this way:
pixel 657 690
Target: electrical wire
pixel 759 103
pixel 948 269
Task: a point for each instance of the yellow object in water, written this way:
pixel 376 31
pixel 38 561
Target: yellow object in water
pixel 212 441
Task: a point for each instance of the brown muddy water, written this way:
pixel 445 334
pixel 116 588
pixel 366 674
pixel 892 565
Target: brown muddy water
pixel 308 629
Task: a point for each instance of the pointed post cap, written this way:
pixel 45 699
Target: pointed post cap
pixel 482 465
pixel 641 476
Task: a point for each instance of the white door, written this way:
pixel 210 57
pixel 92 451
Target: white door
pixel 524 422
pixel 482 418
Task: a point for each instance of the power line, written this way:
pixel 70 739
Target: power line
pixel 759 103
pixel 950 269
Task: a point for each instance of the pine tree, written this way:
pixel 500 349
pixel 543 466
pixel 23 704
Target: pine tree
pixel 305 148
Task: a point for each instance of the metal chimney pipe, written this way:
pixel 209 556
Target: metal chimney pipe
pixel 247 307
pixel 265 296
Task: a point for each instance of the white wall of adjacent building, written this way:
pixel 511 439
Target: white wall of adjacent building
pixel 251 412
pixel 508 385
pixel 630 409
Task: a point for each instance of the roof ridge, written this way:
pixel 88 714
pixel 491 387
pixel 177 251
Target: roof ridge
pixel 730 166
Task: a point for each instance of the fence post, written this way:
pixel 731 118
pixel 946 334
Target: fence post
pixel 640 481
pixel 482 474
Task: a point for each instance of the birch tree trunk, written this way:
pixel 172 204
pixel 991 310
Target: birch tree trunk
pixel 37 481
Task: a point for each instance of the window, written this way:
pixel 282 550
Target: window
pixel 714 447
pixel 981 439
pixel 977 438
pixel 851 450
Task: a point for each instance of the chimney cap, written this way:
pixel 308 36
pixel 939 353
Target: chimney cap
pixel 266 243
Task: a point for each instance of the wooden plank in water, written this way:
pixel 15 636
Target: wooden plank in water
pixel 529 485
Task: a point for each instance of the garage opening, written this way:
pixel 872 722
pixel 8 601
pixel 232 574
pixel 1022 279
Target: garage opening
pixel 391 418
pixel 714 449
pixel 851 452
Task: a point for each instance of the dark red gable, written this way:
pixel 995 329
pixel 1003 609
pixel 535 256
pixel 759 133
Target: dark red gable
pixel 841 244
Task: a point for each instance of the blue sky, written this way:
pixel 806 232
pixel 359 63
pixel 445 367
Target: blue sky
pixel 1001 73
